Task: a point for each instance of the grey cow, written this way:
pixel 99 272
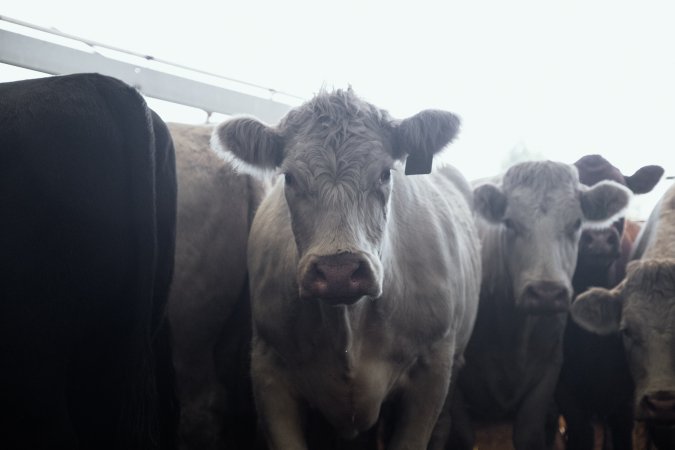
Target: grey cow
pixel 208 305
pixel 364 282
pixel 642 309
pixel 530 222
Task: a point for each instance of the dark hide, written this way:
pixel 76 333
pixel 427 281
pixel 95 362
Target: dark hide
pixel 594 381
pixel 87 229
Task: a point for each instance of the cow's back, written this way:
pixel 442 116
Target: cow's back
pixel 88 198
pixel 209 310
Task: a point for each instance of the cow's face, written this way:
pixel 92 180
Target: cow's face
pixel 336 155
pixel 540 209
pixel 642 309
pixel 600 247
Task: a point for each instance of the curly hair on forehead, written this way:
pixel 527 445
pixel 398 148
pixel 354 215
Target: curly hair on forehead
pixel 655 275
pixel 334 117
pixel 541 175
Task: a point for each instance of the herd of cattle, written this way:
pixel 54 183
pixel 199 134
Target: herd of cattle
pixel 310 285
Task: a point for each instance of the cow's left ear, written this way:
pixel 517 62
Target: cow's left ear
pixel 422 136
pixel 598 310
pixel 644 179
pixel 604 201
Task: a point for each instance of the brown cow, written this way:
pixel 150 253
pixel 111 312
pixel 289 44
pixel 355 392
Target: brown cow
pixel 208 306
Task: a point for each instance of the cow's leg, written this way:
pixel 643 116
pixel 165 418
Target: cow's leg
pixel 422 401
pixel 529 430
pixel 461 428
pixel 621 427
pixel 279 410
pixel 440 437
pixel 579 427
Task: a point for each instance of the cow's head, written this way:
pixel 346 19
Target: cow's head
pixel 540 208
pixel 336 154
pixel 600 247
pixel 642 309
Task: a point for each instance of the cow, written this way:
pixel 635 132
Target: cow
pixel 594 379
pixel 603 252
pixel 208 305
pixel 529 221
pixel 641 310
pixel 364 282
pixel 87 229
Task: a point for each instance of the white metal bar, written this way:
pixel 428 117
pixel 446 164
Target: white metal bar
pixel 43 56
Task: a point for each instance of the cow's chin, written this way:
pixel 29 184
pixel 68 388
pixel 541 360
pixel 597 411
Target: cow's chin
pixel 542 307
pixel 340 301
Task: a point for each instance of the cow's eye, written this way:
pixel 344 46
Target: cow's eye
pixel 630 335
pixel 576 225
pixel 385 176
pixel 573 229
pixel 289 179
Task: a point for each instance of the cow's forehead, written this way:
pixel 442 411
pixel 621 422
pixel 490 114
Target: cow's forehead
pixel 556 203
pixel 355 154
pixel 542 187
pixel 541 176
pixel 595 168
pixel 649 293
pixel 334 119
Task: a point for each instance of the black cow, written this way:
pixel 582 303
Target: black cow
pixel 87 230
pixel 594 379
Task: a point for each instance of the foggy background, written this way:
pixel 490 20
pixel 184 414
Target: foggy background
pixel 530 79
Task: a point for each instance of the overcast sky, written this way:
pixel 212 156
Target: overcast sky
pixel 560 78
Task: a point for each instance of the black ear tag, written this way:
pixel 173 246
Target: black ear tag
pixel 418 163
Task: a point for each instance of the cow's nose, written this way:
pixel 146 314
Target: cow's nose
pixel 342 278
pixel 604 242
pixel 546 297
pixel 547 290
pixel 659 405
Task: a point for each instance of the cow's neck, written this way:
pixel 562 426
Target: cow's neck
pixel 342 324
pixel 586 276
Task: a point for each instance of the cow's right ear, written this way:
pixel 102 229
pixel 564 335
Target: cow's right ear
pixel 490 202
pixel 422 136
pixel 250 141
pixel 598 310
pixel 644 179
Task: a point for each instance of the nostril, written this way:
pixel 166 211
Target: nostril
pixel 660 401
pixel 586 239
pixel 361 273
pixel 612 240
pixel 317 273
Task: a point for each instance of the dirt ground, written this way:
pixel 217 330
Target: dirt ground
pixel 498 437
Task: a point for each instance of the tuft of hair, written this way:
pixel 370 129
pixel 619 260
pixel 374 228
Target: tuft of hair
pixel 541 176
pixel 595 168
pixel 334 117
pixel 657 276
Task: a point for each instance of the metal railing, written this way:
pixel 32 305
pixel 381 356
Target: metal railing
pixel 153 77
